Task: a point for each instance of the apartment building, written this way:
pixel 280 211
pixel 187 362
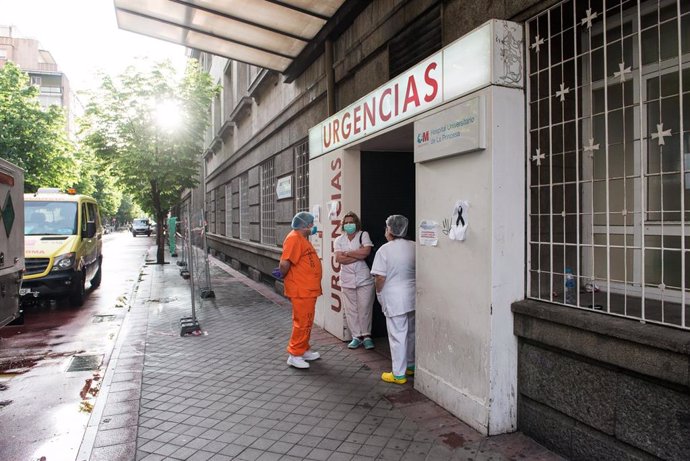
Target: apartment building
pixel 561 129
pixel 44 72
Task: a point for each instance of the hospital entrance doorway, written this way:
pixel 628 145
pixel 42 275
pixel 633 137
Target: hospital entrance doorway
pixel 388 187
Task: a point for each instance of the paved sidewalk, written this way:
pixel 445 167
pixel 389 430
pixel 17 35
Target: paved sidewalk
pixel 230 395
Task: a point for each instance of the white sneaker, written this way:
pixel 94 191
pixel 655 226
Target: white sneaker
pixel 311 355
pixel 297 361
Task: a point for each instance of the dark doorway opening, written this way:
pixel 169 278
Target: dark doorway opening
pixel 388 187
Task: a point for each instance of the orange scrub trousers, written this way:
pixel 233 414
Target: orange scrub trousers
pixel 302 286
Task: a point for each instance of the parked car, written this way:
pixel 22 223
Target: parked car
pixel 141 226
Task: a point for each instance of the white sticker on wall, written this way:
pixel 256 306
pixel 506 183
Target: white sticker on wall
pixel 459 221
pixel 333 209
pixel 428 233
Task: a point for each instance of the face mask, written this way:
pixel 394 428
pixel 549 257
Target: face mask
pixel 350 228
pixel 314 230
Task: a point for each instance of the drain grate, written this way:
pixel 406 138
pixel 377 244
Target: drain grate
pixel 85 362
pixel 103 318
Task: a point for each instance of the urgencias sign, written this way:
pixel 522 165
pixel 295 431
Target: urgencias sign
pixel 490 54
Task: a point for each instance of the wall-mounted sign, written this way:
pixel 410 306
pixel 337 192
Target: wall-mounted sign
pixel 456 130
pixel 490 54
pixel 284 187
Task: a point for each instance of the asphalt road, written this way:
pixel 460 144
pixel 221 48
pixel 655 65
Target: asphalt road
pixel 50 367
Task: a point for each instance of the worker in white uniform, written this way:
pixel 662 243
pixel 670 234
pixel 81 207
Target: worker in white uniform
pixel 394 278
pixel 351 251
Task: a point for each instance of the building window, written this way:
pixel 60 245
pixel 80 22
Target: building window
pixel 217 114
pixel 228 210
pixel 228 99
pixel 252 73
pixel 609 158
pixel 302 177
pixel 245 214
pixel 36 80
pixel 211 220
pixel 268 203
pixel 416 41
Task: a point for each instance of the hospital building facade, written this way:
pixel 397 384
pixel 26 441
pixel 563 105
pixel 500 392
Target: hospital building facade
pixel 556 134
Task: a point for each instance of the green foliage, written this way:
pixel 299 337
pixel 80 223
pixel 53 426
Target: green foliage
pixel 128 210
pixel 154 163
pixel 124 126
pixel 31 137
pixel 97 180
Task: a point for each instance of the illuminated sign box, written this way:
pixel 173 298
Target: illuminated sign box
pixel 490 54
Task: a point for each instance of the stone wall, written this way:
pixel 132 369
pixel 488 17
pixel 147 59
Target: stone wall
pixel 594 386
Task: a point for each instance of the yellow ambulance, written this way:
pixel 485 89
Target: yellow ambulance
pixel 63 245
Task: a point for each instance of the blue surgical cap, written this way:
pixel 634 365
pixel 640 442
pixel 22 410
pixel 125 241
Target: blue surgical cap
pixel 397 224
pixel 302 220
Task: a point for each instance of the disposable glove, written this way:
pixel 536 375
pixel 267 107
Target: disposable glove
pixel 276 273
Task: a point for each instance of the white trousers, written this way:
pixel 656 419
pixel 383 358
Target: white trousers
pixel 359 302
pixel 401 340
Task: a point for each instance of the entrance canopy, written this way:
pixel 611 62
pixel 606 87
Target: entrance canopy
pixel 269 34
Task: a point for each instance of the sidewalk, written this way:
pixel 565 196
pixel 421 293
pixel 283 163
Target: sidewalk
pixel 230 395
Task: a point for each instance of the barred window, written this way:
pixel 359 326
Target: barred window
pixel 609 154
pixel 245 215
pixel 302 177
pixel 268 203
pixel 212 212
pixel 228 210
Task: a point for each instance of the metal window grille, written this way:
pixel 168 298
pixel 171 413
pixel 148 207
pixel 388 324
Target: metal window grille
pixel 268 203
pixel 302 177
pixel 228 210
pixel 245 215
pixel 211 218
pixel 609 157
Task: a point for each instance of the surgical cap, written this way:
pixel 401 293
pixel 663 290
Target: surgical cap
pixel 397 224
pixel 302 220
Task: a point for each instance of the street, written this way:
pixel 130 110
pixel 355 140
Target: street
pixel 50 367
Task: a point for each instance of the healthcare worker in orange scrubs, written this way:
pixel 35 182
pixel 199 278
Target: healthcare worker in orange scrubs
pixel 300 267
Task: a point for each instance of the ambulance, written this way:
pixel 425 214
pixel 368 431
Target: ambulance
pixel 11 240
pixel 63 239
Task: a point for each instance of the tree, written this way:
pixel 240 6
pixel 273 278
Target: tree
pixel 31 137
pixel 96 179
pixel 128 123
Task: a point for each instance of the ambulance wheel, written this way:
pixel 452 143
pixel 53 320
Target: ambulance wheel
pixel 79 294
pixel 96 280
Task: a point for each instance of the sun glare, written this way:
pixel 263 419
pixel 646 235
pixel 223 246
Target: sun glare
pixel 168 115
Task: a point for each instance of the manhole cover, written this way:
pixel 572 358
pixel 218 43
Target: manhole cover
pixel 103 318
pixel 85 362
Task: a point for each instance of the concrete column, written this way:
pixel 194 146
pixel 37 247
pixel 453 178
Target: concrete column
pixel 466 350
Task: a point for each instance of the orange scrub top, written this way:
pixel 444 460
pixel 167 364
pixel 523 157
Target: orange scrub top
pixel 303 280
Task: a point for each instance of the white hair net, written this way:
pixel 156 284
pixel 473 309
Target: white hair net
pixel 397 224
pixel 302 220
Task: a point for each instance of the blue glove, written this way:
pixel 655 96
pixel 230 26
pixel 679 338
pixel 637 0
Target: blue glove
pixel 276 273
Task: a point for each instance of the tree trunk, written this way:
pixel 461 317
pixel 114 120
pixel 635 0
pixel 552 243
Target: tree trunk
pixel 160 221
pixel 160 237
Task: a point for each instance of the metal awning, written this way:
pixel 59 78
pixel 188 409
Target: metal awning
pixel 266 33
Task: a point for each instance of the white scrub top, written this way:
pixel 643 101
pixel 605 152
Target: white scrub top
pixel 356 274
pixel 396 261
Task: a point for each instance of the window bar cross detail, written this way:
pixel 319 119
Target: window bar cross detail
pixel 609 157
